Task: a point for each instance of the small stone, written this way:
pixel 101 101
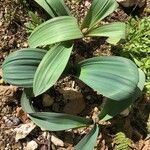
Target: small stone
pixel 7 121
pixel 88 97
pixel 25 44
pixel 32 145
pixel 56 141
pixel 75 103
pixel 53 147
pixel 44 135
pixel 15 121
pixel 47 100
pixel 18 45
pixel 24 130
pixel 125 113
pixel 129 3
pixel 87 4
pixel 1 23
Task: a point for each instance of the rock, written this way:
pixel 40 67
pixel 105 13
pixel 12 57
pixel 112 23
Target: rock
pixel 87 4
pixel 47 100
pixel 24 130
pixel 74 100
pixel 15 120
pixel 1 23
pixel 126 112
pixel 25 44
pixel 56 141
pixel 130 3
pixel 32 145
pixel 11 121
pixel 53 147
pixel 7 121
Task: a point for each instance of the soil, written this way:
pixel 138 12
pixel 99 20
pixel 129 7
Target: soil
pixel 69 95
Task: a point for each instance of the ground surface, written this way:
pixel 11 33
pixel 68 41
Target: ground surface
pixel 69 95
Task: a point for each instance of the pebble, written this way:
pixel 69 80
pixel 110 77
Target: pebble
pixel 8 122
pixel 32 145
pixel 87 4
pixel 15 121
pixel 11 121
pixel 24 130
pixel 53 147
pixel 47 100
pixel 88 97
pixel 129 3
pixel 75 103
pixel 25 44
pixel 56 141
pixel 126 112
pixel 1 23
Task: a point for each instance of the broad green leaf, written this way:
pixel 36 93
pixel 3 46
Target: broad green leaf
pixel 111 108
pixel 51 121
pixel 89 141
pixel 114 32
pixel 98 11
pixel 58 121
pixel 51 67
pixel 46 7
pixel 55 30
pixel 59 7
pixel 114 77
pixel 20 66
pixel 54 7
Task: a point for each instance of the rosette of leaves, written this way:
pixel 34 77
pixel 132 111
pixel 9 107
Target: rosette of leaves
pixel 37 70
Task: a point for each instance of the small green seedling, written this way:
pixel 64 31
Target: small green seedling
pixel 116 78
pixel 137 45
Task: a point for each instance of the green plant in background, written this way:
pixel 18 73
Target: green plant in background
pixel 121 142
pixel 137 45
pixel 34 22
pixel 37 69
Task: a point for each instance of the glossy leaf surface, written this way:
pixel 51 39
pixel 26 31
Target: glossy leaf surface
pixel 89 141
pixel 51 121
pixel 51 67
pixel 20 66
pixel 114 77
pixel 112 108
pixel 55 30
pixel 114 32
pixel 98 11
